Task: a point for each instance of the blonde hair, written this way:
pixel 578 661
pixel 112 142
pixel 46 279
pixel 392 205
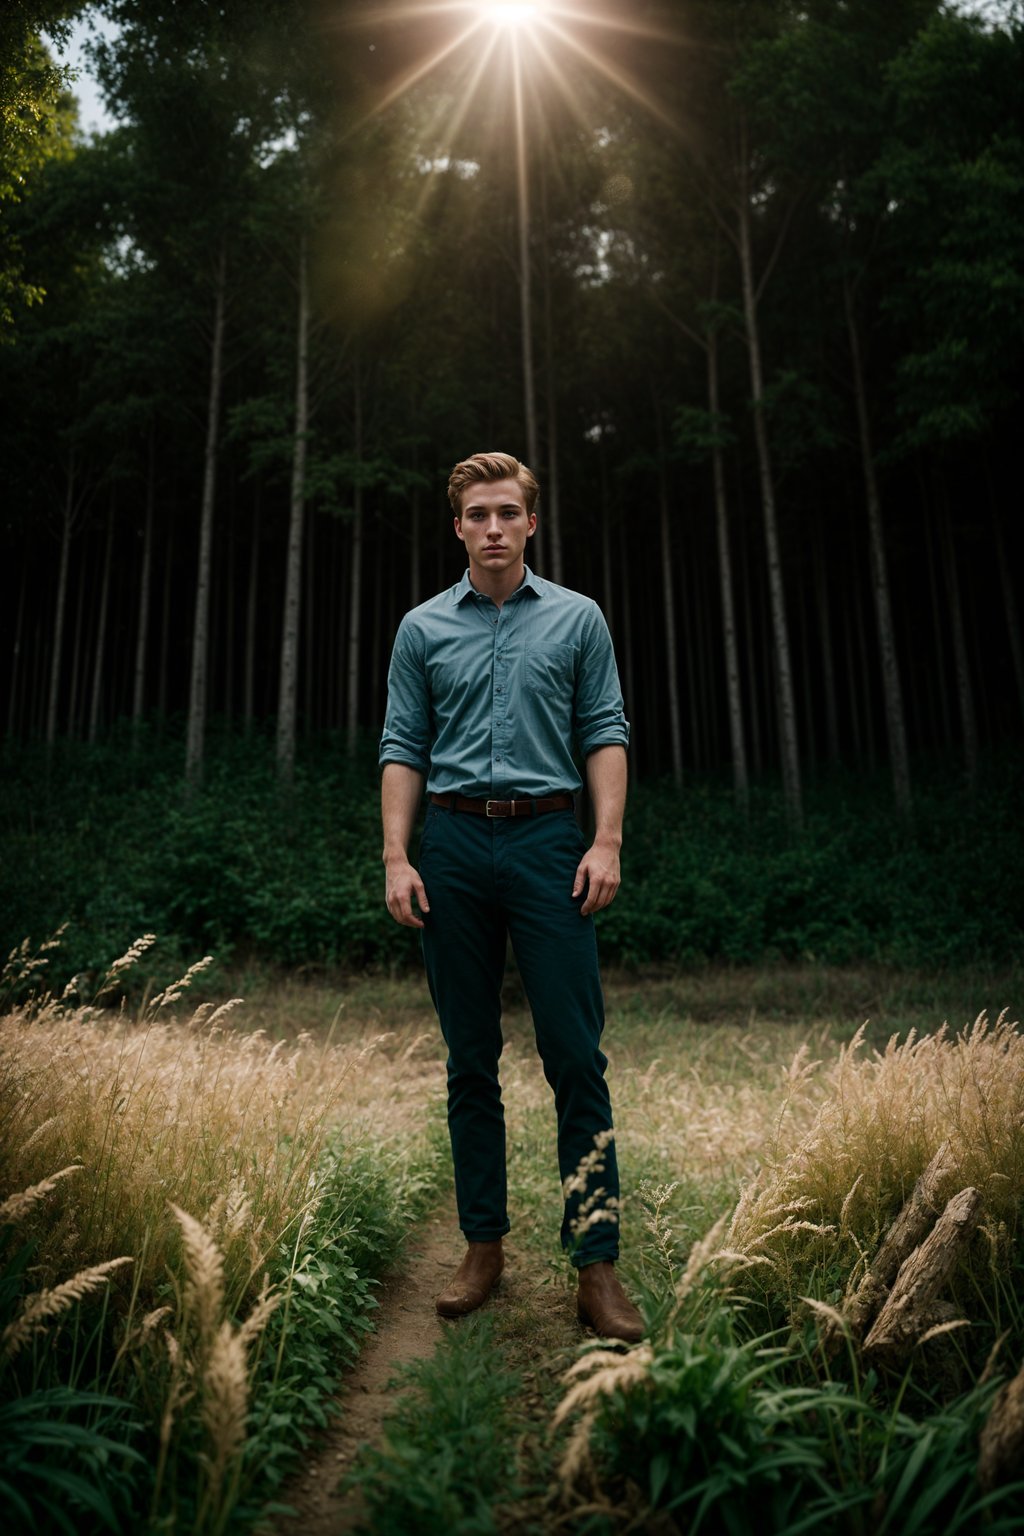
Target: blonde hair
pixel 491 466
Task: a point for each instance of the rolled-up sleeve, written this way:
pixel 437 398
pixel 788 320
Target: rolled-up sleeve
pixel 599 719
pixel 406 737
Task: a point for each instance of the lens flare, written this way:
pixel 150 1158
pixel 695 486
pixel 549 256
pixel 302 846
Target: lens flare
pixel 500 13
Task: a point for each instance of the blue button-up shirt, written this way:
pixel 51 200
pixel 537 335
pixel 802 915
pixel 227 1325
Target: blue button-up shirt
pixel 490 702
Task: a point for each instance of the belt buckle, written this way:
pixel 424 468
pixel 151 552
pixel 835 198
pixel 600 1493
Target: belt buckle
pixel 494 815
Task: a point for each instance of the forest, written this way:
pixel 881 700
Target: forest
pixel 741 281
pixel 771 262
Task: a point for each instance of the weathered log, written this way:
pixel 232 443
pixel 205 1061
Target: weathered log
pixel 916 1216
pixel 1001 1443
pixel 908 1312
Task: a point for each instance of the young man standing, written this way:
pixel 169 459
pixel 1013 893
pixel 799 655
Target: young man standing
pixel 491 686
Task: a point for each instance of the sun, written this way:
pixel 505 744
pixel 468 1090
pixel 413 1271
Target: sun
pixel 500 13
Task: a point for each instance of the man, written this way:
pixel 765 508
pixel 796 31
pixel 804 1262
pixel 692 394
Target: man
pixel 491 685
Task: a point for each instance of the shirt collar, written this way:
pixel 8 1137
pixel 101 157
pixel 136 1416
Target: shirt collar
pixel 529 583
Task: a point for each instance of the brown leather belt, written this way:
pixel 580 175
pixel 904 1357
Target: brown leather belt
pixel 511 808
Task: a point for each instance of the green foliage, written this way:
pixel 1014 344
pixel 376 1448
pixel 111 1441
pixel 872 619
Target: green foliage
pixel 447 1454
pixel 699 883
pixel 68 1456
pixel 36 121
pixel 110 842
pixel 327 1275
pixel 66 1461
pixel 715 1433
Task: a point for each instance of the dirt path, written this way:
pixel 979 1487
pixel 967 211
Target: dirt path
pixel 406 1328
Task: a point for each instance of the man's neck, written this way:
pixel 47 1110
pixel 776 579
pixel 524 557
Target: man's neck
pixel 497 585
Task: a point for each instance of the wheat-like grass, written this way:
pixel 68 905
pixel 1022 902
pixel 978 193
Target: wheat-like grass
pixel 41 1309
pixel 225 1404
pixel 594 1378
pixel 196 1114
pixel 17 1206
pixel 883 1117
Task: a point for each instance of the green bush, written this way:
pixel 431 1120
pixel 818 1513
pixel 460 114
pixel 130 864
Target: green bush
pixel 107 839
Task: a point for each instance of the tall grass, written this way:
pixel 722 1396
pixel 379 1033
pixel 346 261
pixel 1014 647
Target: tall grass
pixel 189 1212
pixel 733 1413
pixel 823 1199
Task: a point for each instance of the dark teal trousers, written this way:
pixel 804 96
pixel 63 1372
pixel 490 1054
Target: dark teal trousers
pixel 487 881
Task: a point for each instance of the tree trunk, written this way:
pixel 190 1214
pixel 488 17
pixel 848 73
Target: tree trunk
pixel 85 586
pixel 894 717
pixel 377 631
pixel 1009 605
pixel 250 617
pixel 552 503
pixel 58 617
pixel 101 628
pixel 965 693
pixel 19 623
pixel 525 302
pixel 196 734
pixel 310 601
pixel 415 552
pixel 607 582
pixel 287 688
pixel 628 646
pixel 754 689
pixel 690 654
pixel 789 752
pixel 827 657
pixel 938 671
pixel 1001 1443
pixel 669 606
pixel 355 577
pixel 740 782
pixel 865 681
pixel 805 680
pixel 145 583
pixel 165 631
pixel 851 682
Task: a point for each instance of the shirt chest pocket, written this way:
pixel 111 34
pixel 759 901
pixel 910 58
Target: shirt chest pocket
pixel 551 669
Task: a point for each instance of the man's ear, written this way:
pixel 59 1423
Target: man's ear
pixel 458 529
pixel 532 529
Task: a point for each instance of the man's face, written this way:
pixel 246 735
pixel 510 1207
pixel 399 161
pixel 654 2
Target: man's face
pixel 494 524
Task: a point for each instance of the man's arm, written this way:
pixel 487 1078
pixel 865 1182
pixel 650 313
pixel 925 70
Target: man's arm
pixel 606 781
pixel 401 790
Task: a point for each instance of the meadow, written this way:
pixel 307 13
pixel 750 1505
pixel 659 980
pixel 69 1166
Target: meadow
pixel 199 1198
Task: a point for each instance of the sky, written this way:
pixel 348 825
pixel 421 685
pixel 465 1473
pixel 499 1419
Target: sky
pixel 92 114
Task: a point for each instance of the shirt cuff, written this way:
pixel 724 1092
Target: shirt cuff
pixel 406 759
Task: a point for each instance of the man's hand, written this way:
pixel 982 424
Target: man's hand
pixel 404 887
pixel 600 867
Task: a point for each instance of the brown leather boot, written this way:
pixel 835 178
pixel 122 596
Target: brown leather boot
pixel 473 1281
pixel 603 1305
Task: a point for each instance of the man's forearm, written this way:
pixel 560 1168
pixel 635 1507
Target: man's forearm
pixel 401 790
pixel 606 781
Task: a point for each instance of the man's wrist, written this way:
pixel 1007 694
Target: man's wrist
pixel 610 840
pixel 393 855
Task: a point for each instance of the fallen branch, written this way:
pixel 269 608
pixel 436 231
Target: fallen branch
pixel 1001 1443
pixel 905 1233
pixel 910 1308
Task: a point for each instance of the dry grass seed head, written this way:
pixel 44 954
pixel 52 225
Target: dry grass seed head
pixel 204 1294
pixel 225 1402
pixel 43 1308
pixel 885 1116
pixel 595 1377
pixel 15 1207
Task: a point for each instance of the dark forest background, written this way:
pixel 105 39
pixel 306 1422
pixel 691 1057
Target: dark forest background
pixel 769 257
